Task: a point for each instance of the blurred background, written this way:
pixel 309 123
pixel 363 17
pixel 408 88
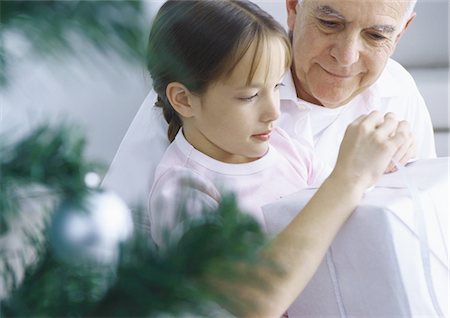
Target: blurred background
pixel 102 90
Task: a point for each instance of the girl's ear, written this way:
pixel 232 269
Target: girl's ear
pixel 180 99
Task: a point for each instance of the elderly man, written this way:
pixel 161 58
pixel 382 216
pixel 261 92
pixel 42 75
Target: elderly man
pixel 342 69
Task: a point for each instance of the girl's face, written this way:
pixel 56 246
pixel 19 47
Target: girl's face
pixel 232 121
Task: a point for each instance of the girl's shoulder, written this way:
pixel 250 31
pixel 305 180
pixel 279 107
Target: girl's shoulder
pixel 178 183
pixel 177 193
pixel 177 179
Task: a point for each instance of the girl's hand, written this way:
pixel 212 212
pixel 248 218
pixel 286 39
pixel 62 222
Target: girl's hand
pixel 369 145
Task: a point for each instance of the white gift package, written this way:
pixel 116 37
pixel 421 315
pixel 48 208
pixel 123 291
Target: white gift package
pixel 390 259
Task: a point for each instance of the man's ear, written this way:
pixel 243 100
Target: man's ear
pixel 180 99
pixel 399 36
pixel 291 7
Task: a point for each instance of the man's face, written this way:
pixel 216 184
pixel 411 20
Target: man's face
pixel 341 47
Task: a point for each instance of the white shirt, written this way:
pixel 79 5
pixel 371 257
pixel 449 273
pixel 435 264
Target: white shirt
pixel 394 91
pixel 132 170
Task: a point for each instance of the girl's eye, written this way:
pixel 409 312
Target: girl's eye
pixel 279 85
pixel 247 99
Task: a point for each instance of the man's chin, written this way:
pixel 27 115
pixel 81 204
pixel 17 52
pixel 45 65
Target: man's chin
pixel 333 101
pixel 326 96
pixel 333 104
pixel 329 103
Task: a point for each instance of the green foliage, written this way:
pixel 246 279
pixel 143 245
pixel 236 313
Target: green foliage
pixel 176 280
pixel 50 157
pixel 54 288
pixel 50 27
pixel 146 282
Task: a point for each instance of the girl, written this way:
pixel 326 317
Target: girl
pixel 216 67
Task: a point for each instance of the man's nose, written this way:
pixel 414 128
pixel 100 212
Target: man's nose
pixel 346 50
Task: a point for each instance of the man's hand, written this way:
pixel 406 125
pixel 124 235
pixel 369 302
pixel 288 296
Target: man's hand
pixel 406 151
pixel 370 143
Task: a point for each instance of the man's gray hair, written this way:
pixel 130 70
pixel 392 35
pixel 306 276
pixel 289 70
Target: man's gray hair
pixel 408 12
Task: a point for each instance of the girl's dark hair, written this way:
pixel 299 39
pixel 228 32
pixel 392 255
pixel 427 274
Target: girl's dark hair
pixel 195 42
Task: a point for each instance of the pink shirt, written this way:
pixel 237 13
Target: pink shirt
pixel 190 177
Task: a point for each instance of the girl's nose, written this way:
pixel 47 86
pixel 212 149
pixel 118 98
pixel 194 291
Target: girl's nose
pixel 271 108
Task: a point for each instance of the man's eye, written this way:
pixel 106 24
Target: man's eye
pixel 328 24
pixel 376 37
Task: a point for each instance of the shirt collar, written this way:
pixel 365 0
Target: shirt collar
pixel 217 166
pixel 288 92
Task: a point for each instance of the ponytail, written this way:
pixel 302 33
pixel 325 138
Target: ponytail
pixel 171 117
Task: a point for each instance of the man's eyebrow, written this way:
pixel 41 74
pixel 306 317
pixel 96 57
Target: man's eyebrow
pixel 329 11
pixel 389 29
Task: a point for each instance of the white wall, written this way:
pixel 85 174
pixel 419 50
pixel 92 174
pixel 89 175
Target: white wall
pixel 99 93
pixel 424 51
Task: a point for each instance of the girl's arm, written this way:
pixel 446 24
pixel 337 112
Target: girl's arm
pixel 368 146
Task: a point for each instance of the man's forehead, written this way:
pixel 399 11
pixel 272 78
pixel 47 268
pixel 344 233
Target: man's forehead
pixel 351 9
pixel 403 3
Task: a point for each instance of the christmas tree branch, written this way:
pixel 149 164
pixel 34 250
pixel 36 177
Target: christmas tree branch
pixel 47 157
pixel 52 27
pixel 142 281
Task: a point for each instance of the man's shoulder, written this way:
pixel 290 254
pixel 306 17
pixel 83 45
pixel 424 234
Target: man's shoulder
pixel 397 70
pixel 395 80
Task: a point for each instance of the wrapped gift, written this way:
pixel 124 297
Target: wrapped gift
pixel 390 259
